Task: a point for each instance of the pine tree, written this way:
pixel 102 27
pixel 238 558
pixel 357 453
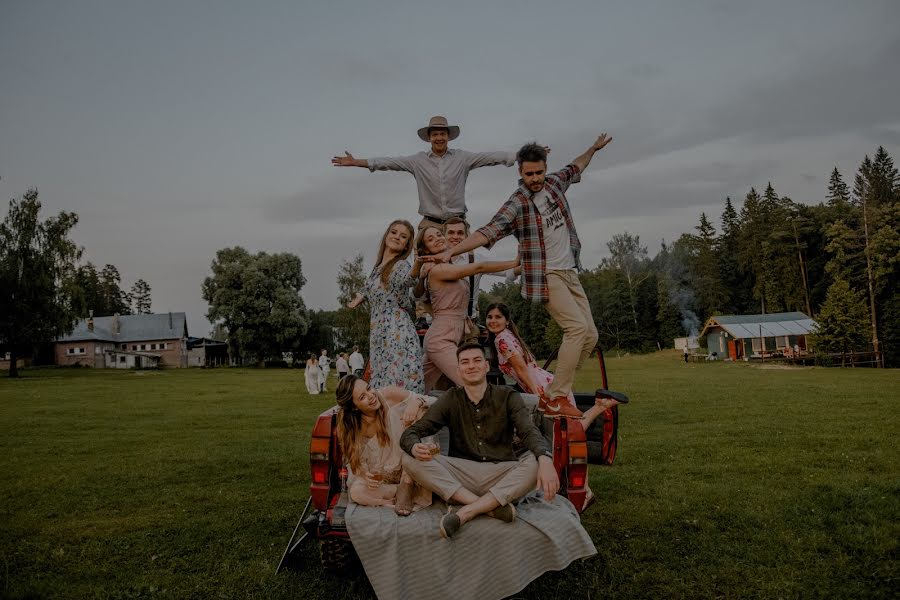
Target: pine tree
pixel 667 315
pixel 705 269
pixel 861 182
pixel 838 192
pixel 883 180
pixel 751 253
pixel 727 247
pixel 776 258
pixel 787 237
pixel 770 203
pixel 842 321
pixel 867 184
pixel 140 295
pixel 113 297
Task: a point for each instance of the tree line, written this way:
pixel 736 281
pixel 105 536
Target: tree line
pixel 44 290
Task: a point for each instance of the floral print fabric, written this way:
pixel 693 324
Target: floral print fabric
pixel 507 345
pixel 395 353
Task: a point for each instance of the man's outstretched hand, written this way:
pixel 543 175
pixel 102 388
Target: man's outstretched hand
pixel 602 141
pixel 344 161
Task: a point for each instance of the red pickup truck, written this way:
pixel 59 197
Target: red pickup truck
pixel 573 450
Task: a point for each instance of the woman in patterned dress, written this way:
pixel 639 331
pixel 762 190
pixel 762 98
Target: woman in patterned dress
pixel 395 353
pixel 517 361
pixel 370 422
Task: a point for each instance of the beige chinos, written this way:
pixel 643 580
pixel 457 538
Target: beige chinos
pixel 569 307
pixel 444 475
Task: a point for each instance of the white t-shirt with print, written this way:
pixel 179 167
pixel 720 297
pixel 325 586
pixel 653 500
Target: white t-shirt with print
pixel 557 249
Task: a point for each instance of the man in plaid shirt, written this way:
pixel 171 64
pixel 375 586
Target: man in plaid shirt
pixel 538 215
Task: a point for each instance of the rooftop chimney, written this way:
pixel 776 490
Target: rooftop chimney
pixel 90 321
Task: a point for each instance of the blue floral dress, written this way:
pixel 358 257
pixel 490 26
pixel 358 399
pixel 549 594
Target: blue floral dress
pixel 394 348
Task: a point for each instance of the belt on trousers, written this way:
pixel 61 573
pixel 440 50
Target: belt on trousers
pixel 442 221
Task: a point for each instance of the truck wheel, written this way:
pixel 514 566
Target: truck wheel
pixel 337 554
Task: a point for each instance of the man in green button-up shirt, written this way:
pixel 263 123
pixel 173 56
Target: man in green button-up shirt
pixel 481 472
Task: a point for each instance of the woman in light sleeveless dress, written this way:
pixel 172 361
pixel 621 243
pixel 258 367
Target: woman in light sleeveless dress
pixel 370 423
pixel 449 293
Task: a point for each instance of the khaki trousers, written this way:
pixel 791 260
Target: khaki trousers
pixel 427 222
pixel 444 475
pixel 569 307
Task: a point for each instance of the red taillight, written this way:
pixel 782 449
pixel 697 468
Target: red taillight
pixel 577 475
pixel 318 448
pixel 578 452
pixel 320 472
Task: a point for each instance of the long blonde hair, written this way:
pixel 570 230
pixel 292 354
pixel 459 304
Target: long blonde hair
pixel 349 422
pixel 386 271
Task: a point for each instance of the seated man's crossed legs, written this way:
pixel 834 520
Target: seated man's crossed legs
pixel 481 487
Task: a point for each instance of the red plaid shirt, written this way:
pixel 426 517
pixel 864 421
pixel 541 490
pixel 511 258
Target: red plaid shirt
pixel 520 217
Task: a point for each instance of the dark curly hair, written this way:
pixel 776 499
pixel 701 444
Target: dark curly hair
pixel 532 152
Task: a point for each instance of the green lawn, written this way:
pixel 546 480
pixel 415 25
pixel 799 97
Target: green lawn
pixel 731 481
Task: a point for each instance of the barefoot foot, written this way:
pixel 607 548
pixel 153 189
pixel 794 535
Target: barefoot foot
pixel 404 499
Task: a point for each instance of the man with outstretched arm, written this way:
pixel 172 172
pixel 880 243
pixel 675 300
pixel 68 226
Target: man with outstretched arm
pixel 440 172
pixel 482 472
pixel 538 214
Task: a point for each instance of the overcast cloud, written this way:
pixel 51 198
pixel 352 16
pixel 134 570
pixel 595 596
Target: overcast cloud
pixel 175 129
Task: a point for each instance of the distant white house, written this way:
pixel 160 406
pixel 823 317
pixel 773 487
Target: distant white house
pixel 690 343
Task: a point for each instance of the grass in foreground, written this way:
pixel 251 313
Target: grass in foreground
pixel 731 481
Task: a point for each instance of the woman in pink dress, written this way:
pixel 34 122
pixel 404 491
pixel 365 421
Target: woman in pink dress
pixel 449 292
pixel 517 361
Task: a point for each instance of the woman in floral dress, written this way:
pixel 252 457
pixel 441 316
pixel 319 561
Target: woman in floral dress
pixel 395 353
pixel 516 361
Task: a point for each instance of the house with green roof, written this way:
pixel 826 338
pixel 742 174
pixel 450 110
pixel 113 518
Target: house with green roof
pixel 749 336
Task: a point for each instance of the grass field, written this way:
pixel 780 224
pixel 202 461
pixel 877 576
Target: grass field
pixel 732 481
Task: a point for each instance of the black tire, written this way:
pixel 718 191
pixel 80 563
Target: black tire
pixel 337 553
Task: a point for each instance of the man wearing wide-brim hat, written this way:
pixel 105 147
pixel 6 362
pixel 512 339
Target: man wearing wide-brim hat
pixel 440 172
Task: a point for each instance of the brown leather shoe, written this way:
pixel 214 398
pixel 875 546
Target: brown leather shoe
pixel 559 407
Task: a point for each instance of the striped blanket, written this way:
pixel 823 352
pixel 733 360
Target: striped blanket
pixel 405 557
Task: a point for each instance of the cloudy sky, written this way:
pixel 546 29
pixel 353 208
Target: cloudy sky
pixel 176 128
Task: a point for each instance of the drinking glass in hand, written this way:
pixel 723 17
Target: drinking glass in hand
pixel 374 479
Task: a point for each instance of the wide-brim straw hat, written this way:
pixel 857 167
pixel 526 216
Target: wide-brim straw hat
pixel 441 123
